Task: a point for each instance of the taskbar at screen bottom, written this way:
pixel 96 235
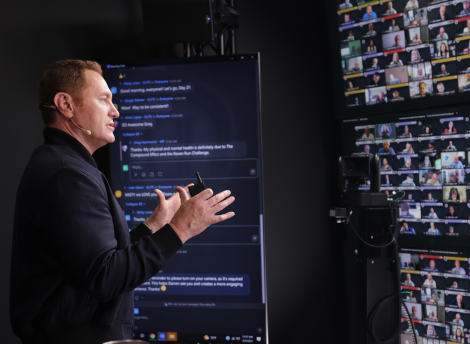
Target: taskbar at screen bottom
pixel 195 338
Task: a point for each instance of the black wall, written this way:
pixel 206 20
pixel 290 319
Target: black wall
pixel 301 145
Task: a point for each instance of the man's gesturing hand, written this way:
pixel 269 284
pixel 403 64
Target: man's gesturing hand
pixel 166 209
pixel 198 212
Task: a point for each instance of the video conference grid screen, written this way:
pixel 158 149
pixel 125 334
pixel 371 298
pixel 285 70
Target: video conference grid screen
pixel 436 291
pixel 179 117
pixel 399 50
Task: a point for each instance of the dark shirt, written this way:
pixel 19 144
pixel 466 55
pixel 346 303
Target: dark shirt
pixel 74 264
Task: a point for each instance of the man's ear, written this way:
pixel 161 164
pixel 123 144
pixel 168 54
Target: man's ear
pixel 63 103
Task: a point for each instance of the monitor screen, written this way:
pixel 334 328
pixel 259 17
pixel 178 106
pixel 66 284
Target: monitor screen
pixel 179 117
pixel 399 54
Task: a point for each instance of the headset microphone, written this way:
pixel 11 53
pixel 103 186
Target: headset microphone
pixel 79 127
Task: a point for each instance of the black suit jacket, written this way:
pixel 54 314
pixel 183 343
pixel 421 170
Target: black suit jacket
pixel 74 265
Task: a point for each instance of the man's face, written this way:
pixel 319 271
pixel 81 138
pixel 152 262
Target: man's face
pixel 457 317
pixel 408 148
pixel 432 264
pixel 386 146
pixel 443 68
pixel 398 40
pixel 441 31
pixel 451 229
pixel 414 311
pixel 457 265
pixel 420 72
pixel 415 54
pixel 409 180
pixel 369 9
pixel 456 158
pixel 466 5
pixel 382 96
pixel 408 163
pixel 385 162
pixel 432 210
pixel 376 78
pixel 96 112
pixel 459 297
pixel 357 65
pixel 346 18
pixel 440 88
pixel 367 149
pixel 442 11
pixel 387 177
pixel 371 27
pixel 422 89
pixel 366 130
pixel 410 197
pixel 450 143
pixel 390 5
pixel 357 100
pixel 429 277
pixel 434 177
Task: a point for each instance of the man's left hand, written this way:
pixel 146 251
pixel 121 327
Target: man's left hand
pixel 166 208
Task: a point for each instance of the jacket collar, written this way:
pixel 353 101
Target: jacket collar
pixel 58 137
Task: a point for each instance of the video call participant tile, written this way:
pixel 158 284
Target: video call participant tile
pixel 430 179
pixel 452 125
pixel 375 78
pixel 453 177
pixel 394 24
pixel 406 130
pixel 351 34
pixel 455 211
pixel 457 282
pixel 407 162
pixel 409 227
pixel 432 263
pixel 444 50
pixel 391 9
pixel 348 19
pixel 430 296
pixel 433 313
pixel 373 63
pixel 413 16
pixel 388 163
pixel 354 84
pixel 421 89
pixel 369 12
pixel 453 159
pixel 442 69
pixel 398 93
pixel 365 133
pixel 432 211
pixel 456 229
pixel 352 66
pixel 409 148
pixel 389 180
pixel 414 309
pixel 463 45
pixel 453 145
pixel 410 211
pixel 462 9
pixel 439 13
pixel 371 30
pixel 411 295
pixel 420 53
pixel 354 100
pixel 434 330
pixel 433 228
pixel 463 27
pixel 411 281
pixel 463 64
pixel 371 45
pixel 376 95
pixel 446 87
pixel 431 196
pixel 454 194
pixel 408 179
pixel 350 49
pixel 396 76
pixel 456 265
pixel 410 261
pixel 396 59
pixel 407 332
pixel 420 71
pixel 393 41
pixel 412 196
pixel 429 128
pixel 441 31
pixel 417 35
pixel 464 82
pixel 457 299
pixel 455 317
pixel 366 148
pixel 430 146
pixel 429 161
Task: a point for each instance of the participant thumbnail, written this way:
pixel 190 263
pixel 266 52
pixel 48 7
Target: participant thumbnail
pixel 429 128
pixel 457 194
pixel 420 89
pixel 396 75
pixel 445 87
pixel 370 30
pixel 410 211
pixel 409 295
pixel 457 299
pixel 464 82
pixel 429 161
pixel 452 177
pixel 463 64
pixel 394 40
pixel 371 12
pixel 455 211
pixel 414 16
pixel 343 4
pixel 443 69
pixel 462 9
pixel 354 84
pixel 410 261
pixel 409 228
pixel 463 27
pixel 412 196
pixel 373 63
pixel 365 133
pixel 388 163
pixel 420 71
pixel 407 162
pixel 393 25
pixel 432 280
pixel 434 332
pixel 385 131
pixel 409 147
pixel 367 149
pixel 389 181
pixel 371 45
pixel 396 59
pixel 456 334
pixel 417 35
pixel 433 211
pixel 357 99
pixel 444 50
pixel 456 265
pixel 375 79
pixel 433 228
pixel 377 95
pixel 430 146
pixel 440 13
pixel 441 32
pixel 430 177
pixel 431 196
pixel 349 18
pixel 406 130
pixel 352 66
pixel 456 229
pixel 433 313
pixel 455 317
pixel 350 49
pixel 398 94
pixel 407 180
pixel 453 159
pixel 463 45
pixel 390 8
pixel 350 34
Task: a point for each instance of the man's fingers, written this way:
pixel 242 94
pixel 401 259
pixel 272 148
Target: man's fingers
pixel 186 189
pixel 183 194
pixel 223 217
pixel 161 196
pixel 219 197
pixel 222 205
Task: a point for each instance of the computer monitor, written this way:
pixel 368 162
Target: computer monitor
pixel 179 117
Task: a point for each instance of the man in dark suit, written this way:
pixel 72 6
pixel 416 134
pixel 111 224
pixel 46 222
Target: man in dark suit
pixel 442 15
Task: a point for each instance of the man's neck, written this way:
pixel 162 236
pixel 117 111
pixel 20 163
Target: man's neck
pixel 66 127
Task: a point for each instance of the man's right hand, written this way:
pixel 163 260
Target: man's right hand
pixel 198 212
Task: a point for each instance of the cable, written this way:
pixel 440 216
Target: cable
pixel 376 246
pixel 373 321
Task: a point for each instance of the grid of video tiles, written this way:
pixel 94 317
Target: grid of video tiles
pixel 397 50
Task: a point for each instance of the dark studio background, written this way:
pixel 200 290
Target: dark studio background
pixel 301 141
